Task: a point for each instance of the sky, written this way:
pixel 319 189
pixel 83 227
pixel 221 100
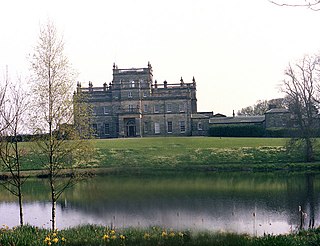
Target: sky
pixel 236 50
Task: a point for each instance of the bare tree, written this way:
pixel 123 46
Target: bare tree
pixel 13 113
pixel 302 88
pixel 313 5
pixel 261 107
pixel 3 93
pixel 59 145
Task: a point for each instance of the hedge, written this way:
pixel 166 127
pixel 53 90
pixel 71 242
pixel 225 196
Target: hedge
pixel 255 131
pixel 237 131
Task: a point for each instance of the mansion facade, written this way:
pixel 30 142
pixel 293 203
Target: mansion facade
pixel 136 105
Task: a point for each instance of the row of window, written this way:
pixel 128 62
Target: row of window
pixel 132 83
pixel 145 94
pixel 182 127
pixel 146 108
pixel 106 127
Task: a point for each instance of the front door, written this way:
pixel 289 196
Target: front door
pixel 131 128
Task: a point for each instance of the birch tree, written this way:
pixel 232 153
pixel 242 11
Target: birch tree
pixel 60 148
pixel 13 114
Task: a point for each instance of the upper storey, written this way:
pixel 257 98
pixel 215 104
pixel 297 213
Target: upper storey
pixel 132 77
pixel 137 83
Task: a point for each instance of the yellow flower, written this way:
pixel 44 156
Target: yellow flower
pixel 47 239
pixel 113 237
pixel 146 236
pixel 171 234
pixel 49 243
pixel 55 240
pixel 63 239
pixel 122 237
pixel 105 237
pixel 112 232
pixel 54 234
pixel 180 234
pixel 164 234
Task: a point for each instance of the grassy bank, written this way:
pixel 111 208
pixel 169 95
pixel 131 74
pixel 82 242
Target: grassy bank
pixel 97 235
pixel 188 153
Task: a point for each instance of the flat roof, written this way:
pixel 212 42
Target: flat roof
pixel 237 120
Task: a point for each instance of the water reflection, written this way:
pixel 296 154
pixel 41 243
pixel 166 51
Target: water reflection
pixel 243 203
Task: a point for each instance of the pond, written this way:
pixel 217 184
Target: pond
pixel 253 203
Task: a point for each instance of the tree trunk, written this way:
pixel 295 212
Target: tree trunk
pixel 18 176
pixel 53 215
pixel 309 150
pixel 20 205
pixel 53 205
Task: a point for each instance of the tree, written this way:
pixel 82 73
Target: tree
pixel 261 107
pixel 3 93
pixel 59 145
pixel 313 5
pixel 302 89
pixel 13 111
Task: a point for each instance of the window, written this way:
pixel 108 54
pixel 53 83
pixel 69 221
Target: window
pixel 156 108
pixel 156 128
pixel 106 110
pixel 145 108
pixel 169 107
pixel 129 94
pixel 130 108
pixel 95 129
pixel 106 129
pixel 94 110
pixel 145 127
pixel 117 127
pixel 132 83
pixel 182 107
pixel 182 126
pixel 200 126
pixel 144 94
pixel 169 125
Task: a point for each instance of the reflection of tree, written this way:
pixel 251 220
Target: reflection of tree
pixel 301 193
pixel 310 199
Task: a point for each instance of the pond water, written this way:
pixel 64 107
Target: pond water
pixel 252 203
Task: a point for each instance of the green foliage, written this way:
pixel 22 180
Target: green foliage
pixel 237 131
pixel 99 235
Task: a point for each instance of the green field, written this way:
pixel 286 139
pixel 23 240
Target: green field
pixel 189 153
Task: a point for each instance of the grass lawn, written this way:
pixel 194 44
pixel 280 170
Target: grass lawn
pixel 189 153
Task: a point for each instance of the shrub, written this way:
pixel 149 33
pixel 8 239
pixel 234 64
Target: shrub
pixel 237 131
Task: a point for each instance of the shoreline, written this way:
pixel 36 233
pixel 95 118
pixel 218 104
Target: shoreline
pixel 122 170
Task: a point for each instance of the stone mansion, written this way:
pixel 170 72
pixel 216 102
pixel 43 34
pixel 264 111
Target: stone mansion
pixel 136 105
